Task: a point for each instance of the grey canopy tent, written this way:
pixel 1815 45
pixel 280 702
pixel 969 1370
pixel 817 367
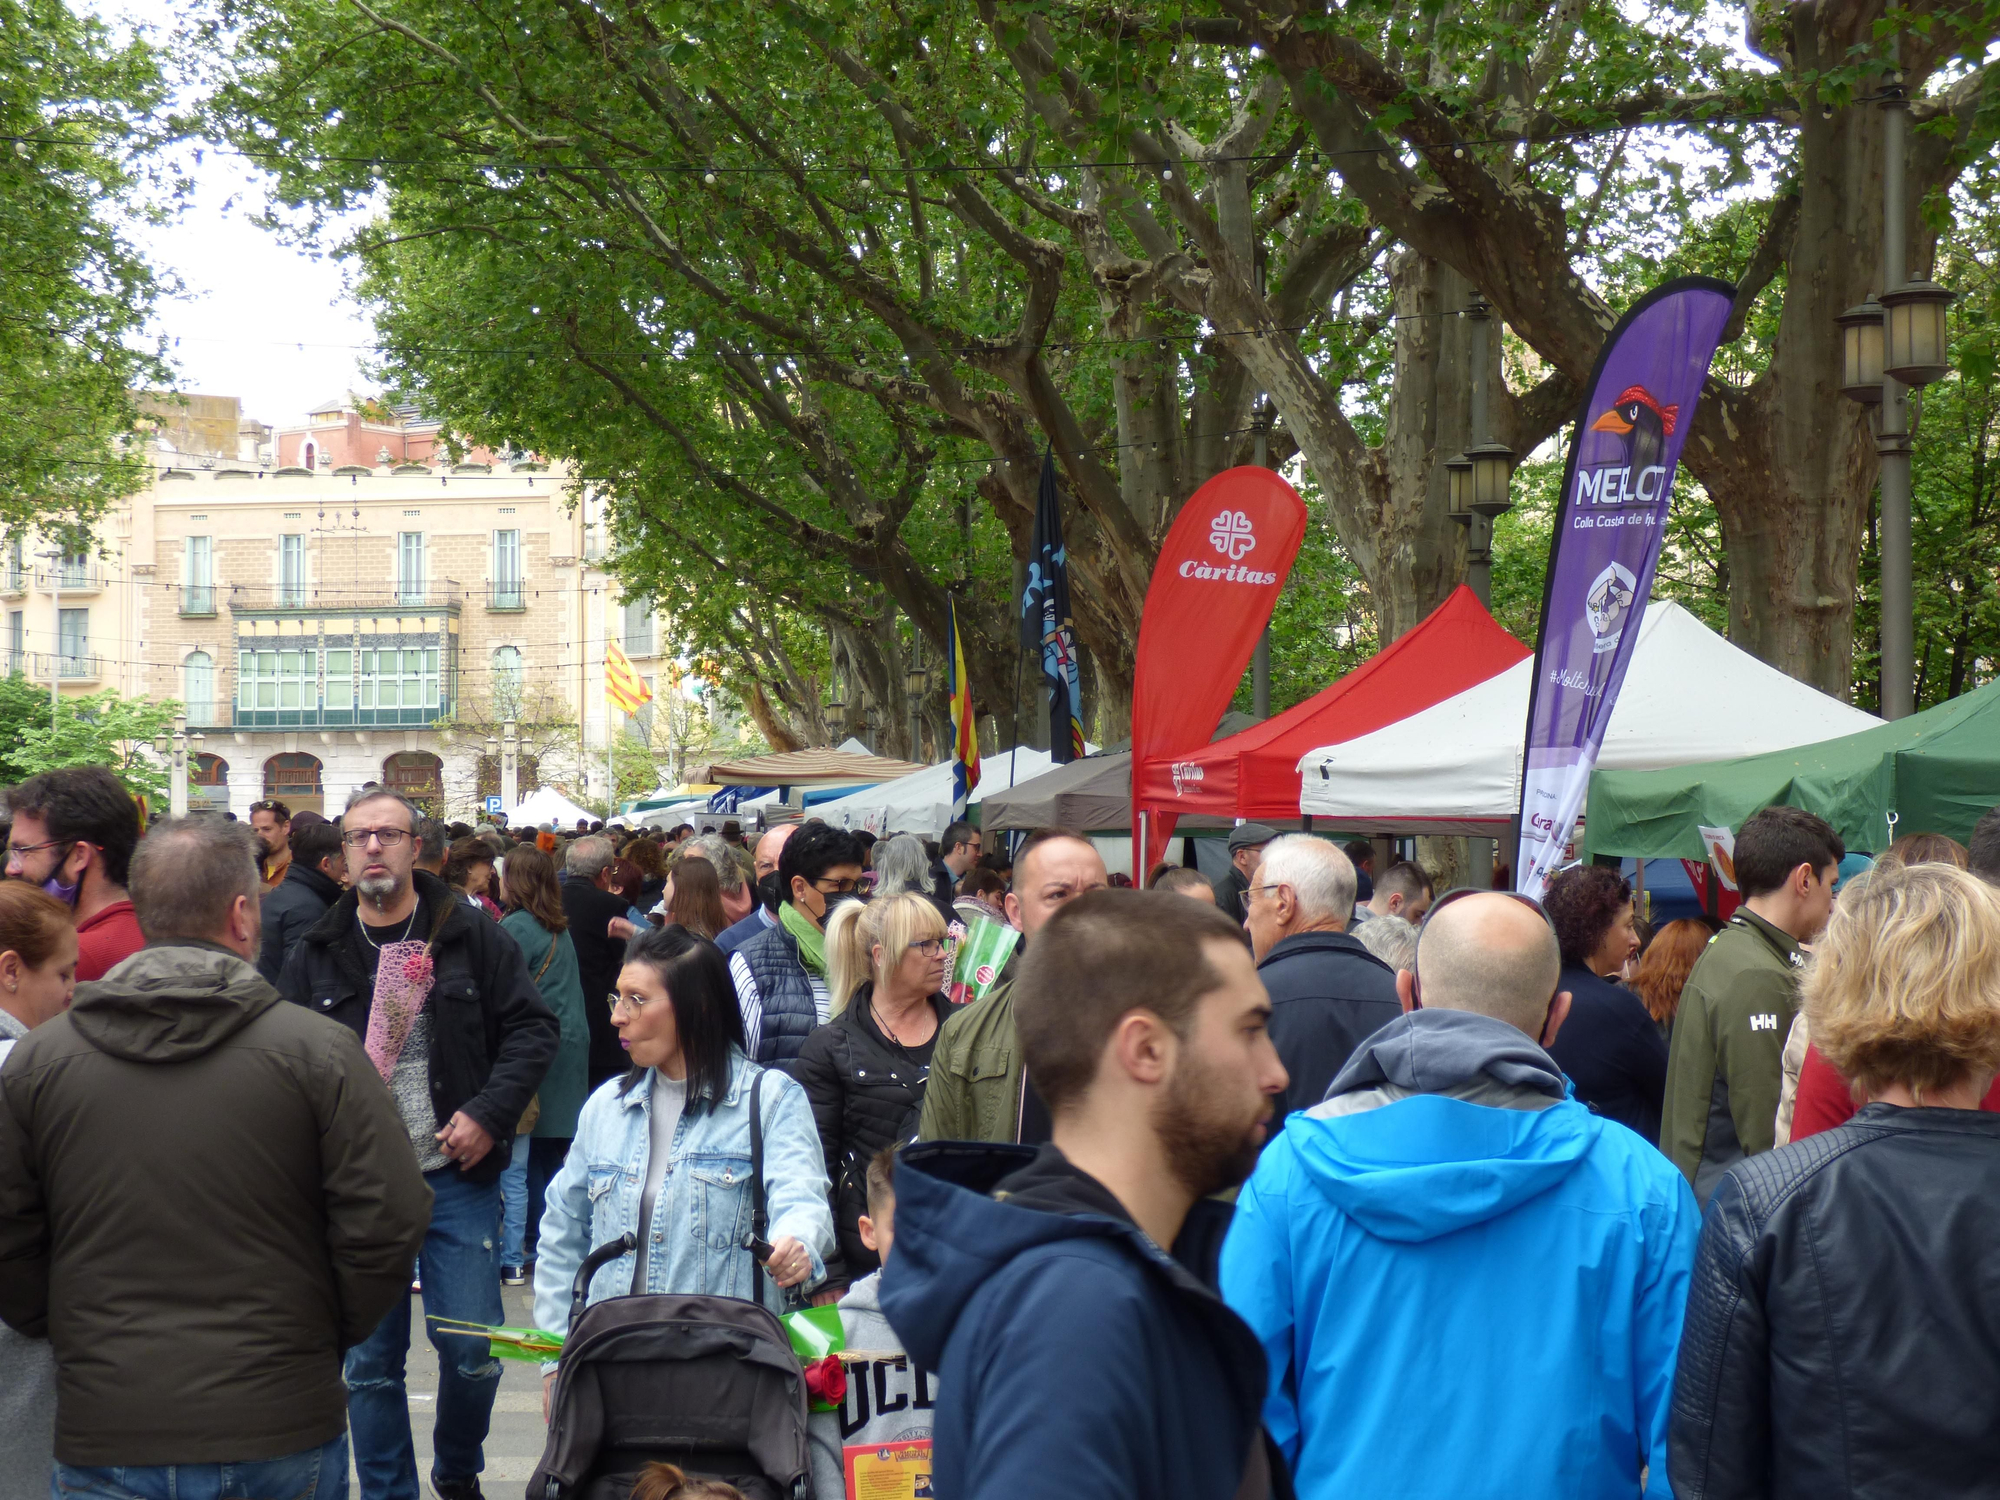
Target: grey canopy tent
pixel 1092 795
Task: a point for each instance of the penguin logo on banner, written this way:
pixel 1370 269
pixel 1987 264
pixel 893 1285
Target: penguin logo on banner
pixel 1608 605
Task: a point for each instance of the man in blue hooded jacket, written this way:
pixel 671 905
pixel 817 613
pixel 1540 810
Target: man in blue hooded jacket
pixel 1074 1355
pixel 1465 1282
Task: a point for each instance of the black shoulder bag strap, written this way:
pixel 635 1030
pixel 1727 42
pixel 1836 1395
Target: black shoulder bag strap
pixel 760 1209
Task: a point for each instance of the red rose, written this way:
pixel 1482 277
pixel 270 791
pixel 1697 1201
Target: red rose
pixel 826 1380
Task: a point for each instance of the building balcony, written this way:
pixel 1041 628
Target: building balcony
pixel 76 666
pixel 71 578
pixel 507 597
pixel 197 599
pixel 443 595
pixel 14 580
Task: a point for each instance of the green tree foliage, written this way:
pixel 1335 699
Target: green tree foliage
pixel 99 729
pixel 74 294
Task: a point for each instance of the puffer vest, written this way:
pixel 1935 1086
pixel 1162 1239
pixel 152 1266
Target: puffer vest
pixel 786 991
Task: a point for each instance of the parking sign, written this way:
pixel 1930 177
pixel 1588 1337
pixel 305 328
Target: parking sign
pixel 493 804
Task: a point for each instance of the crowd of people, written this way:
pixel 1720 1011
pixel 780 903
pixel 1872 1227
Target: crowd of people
pixel 1307 1179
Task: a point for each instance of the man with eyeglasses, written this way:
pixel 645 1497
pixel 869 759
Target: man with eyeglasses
pixel 1328 992
pixel 1451 1246
pixel 780 974
pixel 447 1012
pixel 959 848
pixel 73 835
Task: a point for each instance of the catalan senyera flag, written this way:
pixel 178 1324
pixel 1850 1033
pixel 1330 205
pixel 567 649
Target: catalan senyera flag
pixel 965 729
pixel 622 685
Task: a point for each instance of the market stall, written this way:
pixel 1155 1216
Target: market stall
pixel 1455 768
pixel 1934 772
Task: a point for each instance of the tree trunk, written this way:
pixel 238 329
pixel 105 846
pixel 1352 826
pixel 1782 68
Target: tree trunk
pixel 1408 548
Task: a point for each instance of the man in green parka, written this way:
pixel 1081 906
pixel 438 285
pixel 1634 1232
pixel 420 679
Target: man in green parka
pixel 1725 1063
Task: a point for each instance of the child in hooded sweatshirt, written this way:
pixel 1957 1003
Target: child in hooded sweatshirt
pixel 889 1399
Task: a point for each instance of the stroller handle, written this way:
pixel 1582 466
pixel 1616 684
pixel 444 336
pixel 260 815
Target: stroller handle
pixel 594 1262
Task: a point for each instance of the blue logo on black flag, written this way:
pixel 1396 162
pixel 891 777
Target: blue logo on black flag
pixel 1046 623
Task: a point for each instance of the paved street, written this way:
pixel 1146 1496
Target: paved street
pixel 515 1444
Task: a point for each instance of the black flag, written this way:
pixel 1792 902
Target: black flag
pixel 1047 627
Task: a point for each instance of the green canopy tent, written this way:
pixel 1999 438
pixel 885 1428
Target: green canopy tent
pixel 1936 772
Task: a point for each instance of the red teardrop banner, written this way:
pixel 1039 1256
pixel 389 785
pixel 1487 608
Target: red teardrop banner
pixel 1213 590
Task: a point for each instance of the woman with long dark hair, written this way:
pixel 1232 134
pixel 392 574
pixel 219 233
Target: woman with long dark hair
pixel 537 923
pixel 663 1153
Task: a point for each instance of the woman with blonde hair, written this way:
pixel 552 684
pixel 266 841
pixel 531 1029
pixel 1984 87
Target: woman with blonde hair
pixel 1839 1338
pixel 865 1070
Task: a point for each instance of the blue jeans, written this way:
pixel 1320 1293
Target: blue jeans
pixel 514 1205
pixel 461 1275
pixel 316 1474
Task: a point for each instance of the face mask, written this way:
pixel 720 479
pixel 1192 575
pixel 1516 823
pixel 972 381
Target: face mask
pixel 838 900
pixel 769 892
pixel 54 884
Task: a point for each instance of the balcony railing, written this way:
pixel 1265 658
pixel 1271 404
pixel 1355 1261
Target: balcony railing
pixel 75 665
pixel 198 599
pixel 508 594
pixel 338 598
pixel 14 580
pixel 16 662
pixel 70 578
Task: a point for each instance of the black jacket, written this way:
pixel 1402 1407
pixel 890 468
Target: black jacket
pixel 300 900
pixel 205 1197
pixel 1843 1327
pixel 599 957
pixel 1612 1051
pixel 866 1093
pixel 492 1036
pixel 1328 993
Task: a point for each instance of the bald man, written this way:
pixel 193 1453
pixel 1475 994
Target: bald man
pixel 764 913
pixel 1451 1244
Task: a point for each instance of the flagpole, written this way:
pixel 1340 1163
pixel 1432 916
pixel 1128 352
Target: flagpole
pixel 610 771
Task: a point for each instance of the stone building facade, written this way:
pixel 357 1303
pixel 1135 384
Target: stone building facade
pixel 331 623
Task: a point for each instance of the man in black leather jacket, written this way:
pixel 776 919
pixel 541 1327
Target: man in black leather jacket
pixel 1840 1337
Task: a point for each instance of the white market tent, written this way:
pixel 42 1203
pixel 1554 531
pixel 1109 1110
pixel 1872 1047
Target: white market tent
pixel 921 801
pixel 1689 696
pixel 547 806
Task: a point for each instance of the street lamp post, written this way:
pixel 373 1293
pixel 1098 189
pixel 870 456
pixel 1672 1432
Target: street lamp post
pixel 178 749
pixel 1478 481
pixel 1887 346
pixel 510 768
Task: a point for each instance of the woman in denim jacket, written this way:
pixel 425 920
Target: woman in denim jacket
pixel 664 1152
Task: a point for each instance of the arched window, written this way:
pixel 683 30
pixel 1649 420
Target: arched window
pixel 417 775
pixel 310 458
pixel 293 779
pixel 507 681
pixel 198 673
pixel 208 783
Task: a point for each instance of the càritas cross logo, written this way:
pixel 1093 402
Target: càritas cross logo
pixel 1230 533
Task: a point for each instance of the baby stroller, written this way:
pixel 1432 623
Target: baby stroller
pixel 707 1383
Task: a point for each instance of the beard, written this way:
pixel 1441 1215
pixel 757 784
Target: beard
pixel 378 889
pixel 1211 1139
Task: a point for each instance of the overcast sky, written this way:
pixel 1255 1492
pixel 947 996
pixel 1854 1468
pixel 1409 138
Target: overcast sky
pixel 258 317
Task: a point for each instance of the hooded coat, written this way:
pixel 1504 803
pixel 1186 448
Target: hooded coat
pixel 1074 1356
pixel 1464 1281
pixel 206 1196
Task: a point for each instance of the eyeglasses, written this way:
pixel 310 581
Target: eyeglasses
pixel 840 887
pixel 276 809
pixel 931 947
pixel 1243 901
pixel 633 1003
pixel 388 838
pixel 15 851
